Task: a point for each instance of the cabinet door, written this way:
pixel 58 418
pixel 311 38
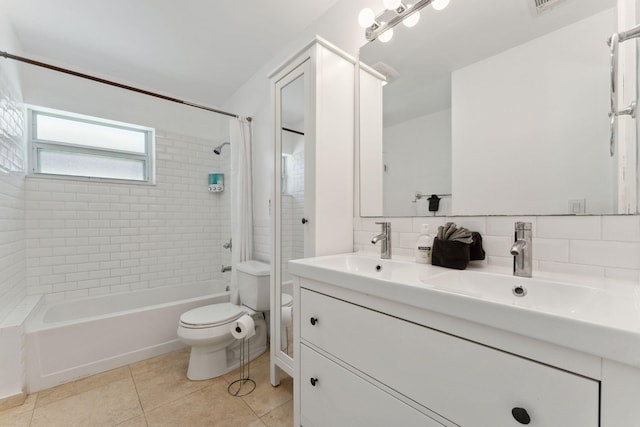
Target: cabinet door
pixel 332 396
pixel 470 384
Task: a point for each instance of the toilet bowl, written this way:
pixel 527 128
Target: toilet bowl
pixel 207 329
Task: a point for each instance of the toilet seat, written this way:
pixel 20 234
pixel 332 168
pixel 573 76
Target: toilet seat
pixel 210 316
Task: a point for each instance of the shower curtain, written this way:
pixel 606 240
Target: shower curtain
pixel 241 197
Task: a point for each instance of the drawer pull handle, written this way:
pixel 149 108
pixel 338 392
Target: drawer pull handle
pixel 314 321
pixel 304 220
pixel 521 415
pixel 314 381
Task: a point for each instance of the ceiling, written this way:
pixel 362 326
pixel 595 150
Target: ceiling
pixel 197 50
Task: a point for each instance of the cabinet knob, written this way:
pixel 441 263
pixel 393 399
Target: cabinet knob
pixel 521 415
pixel 314 381
pixel 305 220
pixel 313 320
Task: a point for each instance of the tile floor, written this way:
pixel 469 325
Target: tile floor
pixel 156 392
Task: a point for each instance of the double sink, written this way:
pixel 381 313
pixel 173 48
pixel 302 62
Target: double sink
pixel 597 315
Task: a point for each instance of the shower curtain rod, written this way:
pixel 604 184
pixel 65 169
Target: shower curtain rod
pixel 292 131
pixel 116 84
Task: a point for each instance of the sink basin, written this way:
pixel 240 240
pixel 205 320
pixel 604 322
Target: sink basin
pixel 365 265
pixel 589 303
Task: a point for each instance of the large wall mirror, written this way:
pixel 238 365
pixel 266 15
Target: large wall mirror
pixel 498 109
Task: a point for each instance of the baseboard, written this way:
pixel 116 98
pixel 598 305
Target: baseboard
pixel 12 401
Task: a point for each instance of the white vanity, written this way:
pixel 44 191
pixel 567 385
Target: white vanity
pixel 394 343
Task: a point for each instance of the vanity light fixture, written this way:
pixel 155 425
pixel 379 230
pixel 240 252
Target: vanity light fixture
pixel 396 11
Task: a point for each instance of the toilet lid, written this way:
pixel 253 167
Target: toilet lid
pixel 211 315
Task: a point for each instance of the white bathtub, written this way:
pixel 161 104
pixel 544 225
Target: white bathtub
pixel 67 340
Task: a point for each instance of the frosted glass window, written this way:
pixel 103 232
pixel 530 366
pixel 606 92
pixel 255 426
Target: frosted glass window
pixel 70 131
pixel 88 165
pixel 70 145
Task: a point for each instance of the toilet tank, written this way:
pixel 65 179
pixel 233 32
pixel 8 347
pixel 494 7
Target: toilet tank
pixel 253 284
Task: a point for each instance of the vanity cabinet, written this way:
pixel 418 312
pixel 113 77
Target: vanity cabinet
pixel 357 363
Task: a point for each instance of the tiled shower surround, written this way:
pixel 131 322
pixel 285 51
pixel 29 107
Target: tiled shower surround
pixel 89 238
pixel 12 215
pixel 604 246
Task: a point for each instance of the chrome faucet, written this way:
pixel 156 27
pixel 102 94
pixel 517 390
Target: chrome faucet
pixel 522 249
pixel 385 237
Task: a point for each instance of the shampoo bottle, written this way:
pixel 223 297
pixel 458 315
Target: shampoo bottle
pixel 424 245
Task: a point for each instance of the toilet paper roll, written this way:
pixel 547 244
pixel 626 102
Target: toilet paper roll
pixel 244 327
pixel 287 316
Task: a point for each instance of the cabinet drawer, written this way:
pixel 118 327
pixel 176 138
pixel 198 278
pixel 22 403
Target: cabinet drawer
pixel 470 384
pixel 337 397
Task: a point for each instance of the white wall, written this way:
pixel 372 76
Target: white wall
pixel 417 151
pixel 542 137
pixel 12 221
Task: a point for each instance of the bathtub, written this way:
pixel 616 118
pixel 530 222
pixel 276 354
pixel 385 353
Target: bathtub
pixel 72 339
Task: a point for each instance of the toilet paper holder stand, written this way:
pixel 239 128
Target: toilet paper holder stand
pixel 243 385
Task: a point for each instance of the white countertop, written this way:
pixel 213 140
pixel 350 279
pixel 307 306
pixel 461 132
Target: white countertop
pixel 596 315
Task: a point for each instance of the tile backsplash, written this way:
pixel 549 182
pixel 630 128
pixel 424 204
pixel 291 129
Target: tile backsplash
pixel 607 246
pixel 89 238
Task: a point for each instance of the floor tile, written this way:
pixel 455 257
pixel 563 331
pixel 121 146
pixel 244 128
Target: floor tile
pixel 139 421
pixel 160 386
pixel 265 397
pixel 15 419
pixel 211 406
pixel 164 380
pixel 280 417
pixel 107 405
pixel 51 395
pixel 27 406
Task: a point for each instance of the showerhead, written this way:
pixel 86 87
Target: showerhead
pixel 218 149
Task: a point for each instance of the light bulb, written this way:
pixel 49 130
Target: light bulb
pixel 440 4
pixel 412 19
pixel 392 4
pixel 386 36
pixel 366 18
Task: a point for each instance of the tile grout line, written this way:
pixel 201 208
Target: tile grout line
pixel 144 414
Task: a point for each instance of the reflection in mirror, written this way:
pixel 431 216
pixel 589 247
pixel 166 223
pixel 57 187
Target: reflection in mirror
pixel 498 110
pixel 292 187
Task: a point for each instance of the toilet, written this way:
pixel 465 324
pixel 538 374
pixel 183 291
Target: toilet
pixel 207 329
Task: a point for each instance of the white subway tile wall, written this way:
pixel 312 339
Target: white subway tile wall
pixel 606 246
pixel 89 238
pixel 12 204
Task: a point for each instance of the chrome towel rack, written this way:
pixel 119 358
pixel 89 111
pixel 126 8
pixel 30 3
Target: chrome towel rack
pixel 630 110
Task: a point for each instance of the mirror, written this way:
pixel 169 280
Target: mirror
pixel 292 195
pixel 289 198
pixel 498 109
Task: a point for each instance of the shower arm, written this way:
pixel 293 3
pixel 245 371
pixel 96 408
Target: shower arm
pixel 630 110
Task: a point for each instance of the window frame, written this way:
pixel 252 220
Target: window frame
pixel 35 144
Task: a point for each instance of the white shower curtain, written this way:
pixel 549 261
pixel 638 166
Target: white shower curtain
pixel 241 197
